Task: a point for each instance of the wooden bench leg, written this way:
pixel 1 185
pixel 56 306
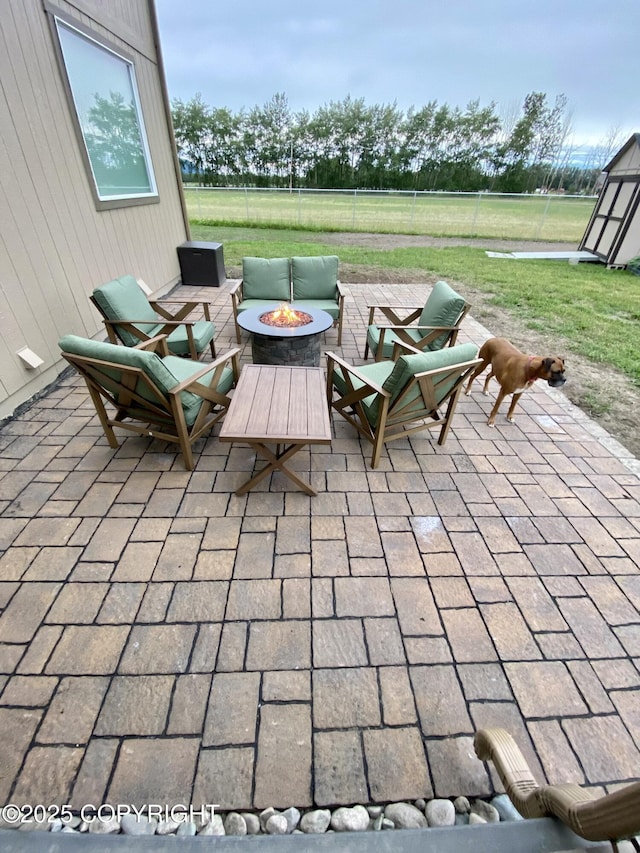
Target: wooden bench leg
pixel 276 462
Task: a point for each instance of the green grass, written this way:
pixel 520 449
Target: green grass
pixel 596 310
pixel 532 217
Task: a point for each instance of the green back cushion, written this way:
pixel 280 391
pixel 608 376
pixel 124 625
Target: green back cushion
pixel 123 299
pixel 443 308
pixel 266 278
pixel 408 365
pixel 149 362
pixel 314 278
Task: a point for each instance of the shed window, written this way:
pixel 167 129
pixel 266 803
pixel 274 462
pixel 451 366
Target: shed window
pixel 105 98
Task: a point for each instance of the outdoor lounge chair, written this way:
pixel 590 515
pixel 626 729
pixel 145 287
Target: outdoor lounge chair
pixel 153 393
pixel 131 318
pixel 311 281
pixel 437 326
pixel 393 399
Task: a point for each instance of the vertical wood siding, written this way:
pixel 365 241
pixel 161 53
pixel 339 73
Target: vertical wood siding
pixel 55 247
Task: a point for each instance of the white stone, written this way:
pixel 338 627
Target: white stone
pixel 440 813
pixel 405 816
pixel 316 822
pixel 486 811
pixel 253 823
pixel 187 829
pixel 277 825
pixel 375 811
pixel 293 818
pixel 475 819
pixel 264 817
pixel 235 824
pixel 133 825
pixel 166 827
pixel 103 827
pixel 354 819
pixel 214 827
pixel 461 805
pixel 388 824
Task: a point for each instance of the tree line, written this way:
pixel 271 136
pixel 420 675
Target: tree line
pixel 349 144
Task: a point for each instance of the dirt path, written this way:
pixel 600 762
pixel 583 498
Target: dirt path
pixel 606 395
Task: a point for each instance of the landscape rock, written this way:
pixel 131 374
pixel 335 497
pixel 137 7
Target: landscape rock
pixel 235 824
pixel 485 811
pixel 277 825
pixel 505 808
pixel 475 819
pixel 405 816
pixel 355 819
pixel 461 805
pixel 187 829
pixel 316 821
pixel 293 818
pixel 253 823
pixel 440 813
pixel 214 827
pixel 133 825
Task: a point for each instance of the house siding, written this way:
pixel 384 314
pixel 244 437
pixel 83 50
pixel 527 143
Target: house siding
pixel 55 247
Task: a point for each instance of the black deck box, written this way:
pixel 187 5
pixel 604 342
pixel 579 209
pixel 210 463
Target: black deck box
pixel 202 264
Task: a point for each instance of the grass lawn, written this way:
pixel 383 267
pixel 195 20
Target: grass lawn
pixel 597 311
pixel 531 217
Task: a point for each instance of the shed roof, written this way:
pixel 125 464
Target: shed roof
pixel 634 139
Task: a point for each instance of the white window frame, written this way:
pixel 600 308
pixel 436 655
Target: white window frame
pixel 103 201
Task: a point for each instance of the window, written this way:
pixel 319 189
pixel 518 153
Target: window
pixel 104 93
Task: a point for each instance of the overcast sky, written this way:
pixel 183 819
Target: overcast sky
pixel 240 53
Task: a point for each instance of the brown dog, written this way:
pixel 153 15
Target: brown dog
pixel 515 372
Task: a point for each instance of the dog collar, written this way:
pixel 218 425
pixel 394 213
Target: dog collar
pixel 530 379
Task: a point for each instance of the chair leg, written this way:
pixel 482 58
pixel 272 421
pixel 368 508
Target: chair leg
pixel 238 339
pixel 213 348
pixel 102 415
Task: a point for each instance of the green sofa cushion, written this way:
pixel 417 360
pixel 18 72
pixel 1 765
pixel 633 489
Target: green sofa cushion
pixel 315 277
pixel 123 299
pixel 266 278
pixel 178 340
pixel 328 305
pixel 442 308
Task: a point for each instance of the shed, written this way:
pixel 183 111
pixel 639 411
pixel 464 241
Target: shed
pixel 613 232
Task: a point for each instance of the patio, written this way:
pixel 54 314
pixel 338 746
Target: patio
pixel 357 639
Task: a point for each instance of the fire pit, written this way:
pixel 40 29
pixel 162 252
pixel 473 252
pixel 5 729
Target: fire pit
pixel 284 335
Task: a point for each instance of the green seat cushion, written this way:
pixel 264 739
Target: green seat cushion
pixel 165 373
pixel 266 278
pixel 178 340
pixel 328 305
pixel 315 277
pixel 442 308
pixel 390 338
pixel 267 304
pixel 123 299
pixel 377 372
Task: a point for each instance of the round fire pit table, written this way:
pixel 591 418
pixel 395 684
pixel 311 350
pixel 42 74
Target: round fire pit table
pixel 288 345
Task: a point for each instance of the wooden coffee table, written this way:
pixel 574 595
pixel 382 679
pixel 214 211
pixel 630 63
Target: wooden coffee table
pixel 285 406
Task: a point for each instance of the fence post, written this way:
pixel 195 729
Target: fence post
pixel 475 212
pixel 543 218
pixel 246 204
pixel 353 214
pixel 413 210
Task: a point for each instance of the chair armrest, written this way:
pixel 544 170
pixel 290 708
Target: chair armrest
pixel 234 289
pixel 355 372
pixel 159 343
pixel 231 355
pixel 340 289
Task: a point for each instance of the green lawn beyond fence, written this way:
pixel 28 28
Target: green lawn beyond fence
pixel 511 217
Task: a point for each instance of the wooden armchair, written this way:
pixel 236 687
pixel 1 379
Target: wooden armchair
pixel 131 318
pixel 388 400
pixel 431 327
pixel 152 392
pixel 315 284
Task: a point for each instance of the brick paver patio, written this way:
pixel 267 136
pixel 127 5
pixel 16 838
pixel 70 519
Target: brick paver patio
pixel 164 641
